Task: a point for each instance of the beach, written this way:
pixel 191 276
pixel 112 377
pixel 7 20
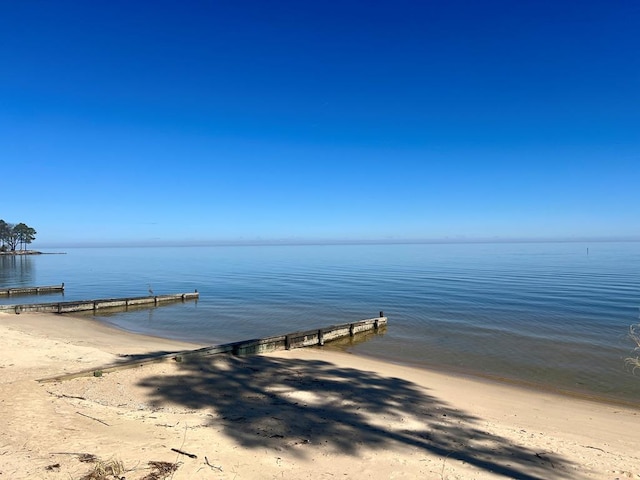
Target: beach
pixel 305 413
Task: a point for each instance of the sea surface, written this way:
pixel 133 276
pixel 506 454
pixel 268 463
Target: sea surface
pixel 549 315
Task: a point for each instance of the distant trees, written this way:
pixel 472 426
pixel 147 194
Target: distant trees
pixel 14 236
pixel 5 235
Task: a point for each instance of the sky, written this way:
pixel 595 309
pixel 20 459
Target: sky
pixel 167 122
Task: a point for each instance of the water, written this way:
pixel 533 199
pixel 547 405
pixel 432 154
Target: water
pixel 545 314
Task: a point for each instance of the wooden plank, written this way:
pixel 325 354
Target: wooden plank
pixel 246 347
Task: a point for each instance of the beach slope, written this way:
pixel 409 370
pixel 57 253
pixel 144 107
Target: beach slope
pixel 308 413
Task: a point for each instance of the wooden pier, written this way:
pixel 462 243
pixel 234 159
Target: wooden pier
pixel 317 337
pixel 31 290
pixel 86 305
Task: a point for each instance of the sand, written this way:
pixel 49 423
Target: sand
pixel 301 414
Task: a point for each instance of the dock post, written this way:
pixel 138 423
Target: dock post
pixel 376 323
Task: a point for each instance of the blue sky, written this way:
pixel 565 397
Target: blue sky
pixel 222 121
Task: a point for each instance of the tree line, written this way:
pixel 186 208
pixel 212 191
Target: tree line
pixel 15 236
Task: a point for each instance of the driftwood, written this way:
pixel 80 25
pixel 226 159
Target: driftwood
pixel 65 396
pixel 182 452
pixel 94 418
pixel 206 461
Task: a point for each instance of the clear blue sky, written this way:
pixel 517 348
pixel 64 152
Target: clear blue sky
pixel 241 120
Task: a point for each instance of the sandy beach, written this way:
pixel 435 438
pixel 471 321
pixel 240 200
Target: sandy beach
pixel 308 413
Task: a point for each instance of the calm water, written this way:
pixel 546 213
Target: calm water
pixel 546 314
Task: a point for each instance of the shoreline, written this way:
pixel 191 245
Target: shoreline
pixel 22 252
pixel 341 346
pixel 19 253
pixel 499 380
pixel 108 330
pixel 292 413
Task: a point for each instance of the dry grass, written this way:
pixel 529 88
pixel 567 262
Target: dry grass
pixel 634 362
pixel 106 470
pixel 115 470
pixel 160 470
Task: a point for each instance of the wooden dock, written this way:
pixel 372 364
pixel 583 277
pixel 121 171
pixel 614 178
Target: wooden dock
pixel 288 341
pixel 86 305
pixel 31 290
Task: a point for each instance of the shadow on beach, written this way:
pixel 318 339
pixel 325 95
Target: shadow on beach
pixel 266 402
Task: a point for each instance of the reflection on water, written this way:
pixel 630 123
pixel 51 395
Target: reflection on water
pixel 16 270
pixel 345 343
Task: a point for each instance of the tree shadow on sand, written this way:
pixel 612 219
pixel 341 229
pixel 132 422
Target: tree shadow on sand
pixel 261 401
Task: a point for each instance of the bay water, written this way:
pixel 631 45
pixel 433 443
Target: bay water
pixel 548 315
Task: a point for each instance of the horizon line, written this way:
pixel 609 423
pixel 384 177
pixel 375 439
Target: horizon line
pixel 329 242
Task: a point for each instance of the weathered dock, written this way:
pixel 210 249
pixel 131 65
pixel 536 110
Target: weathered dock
pixel 288 341
pixel 86 305
pixel 31 290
